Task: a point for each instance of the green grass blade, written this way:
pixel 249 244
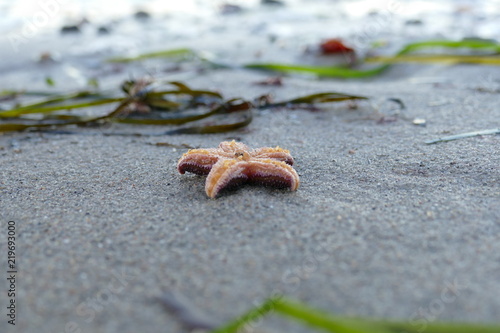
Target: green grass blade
pixel 325 321
pixel 253 314
pixel 337 324
pixel 298 312
pixel 29 110
pixel 321 71
pixel 62 98
pixel 434 327
pixel 326 97
pixel 441 58
pixel 466 44
pixel 15 93
pixel 184 92
pixel 181 53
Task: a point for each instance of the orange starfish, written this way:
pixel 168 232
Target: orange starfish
pixel 234 163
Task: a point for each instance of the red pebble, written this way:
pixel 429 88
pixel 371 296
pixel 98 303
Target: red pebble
pixel 335 46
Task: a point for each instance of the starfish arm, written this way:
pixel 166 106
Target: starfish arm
pixel 228 172
pixel 272 173
pixel 277 153
pixel 224 173
pixel 197 161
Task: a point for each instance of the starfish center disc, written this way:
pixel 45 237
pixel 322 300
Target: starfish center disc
pixel 242 155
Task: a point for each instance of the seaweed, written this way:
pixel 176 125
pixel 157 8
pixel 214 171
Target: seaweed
pixel 193 318
pixel 180 54
pixel 489 56
pixel 327 322
pixel 143 105
pixel 401 56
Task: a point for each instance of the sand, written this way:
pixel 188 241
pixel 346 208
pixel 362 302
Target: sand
pixel 382 224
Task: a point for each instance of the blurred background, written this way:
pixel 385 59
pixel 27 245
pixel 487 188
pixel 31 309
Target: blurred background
pixel 83 33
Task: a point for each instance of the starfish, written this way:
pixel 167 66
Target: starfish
pixel 234 163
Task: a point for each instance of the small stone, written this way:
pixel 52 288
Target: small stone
pixel 142 15
pixel 419 122
pixel 70 29
pixel 272 2
pixel 46 58
pixel 414 22
pixel 230 9
pixel 103 30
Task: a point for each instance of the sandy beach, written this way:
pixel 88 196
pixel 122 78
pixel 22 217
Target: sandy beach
pixel 382 224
